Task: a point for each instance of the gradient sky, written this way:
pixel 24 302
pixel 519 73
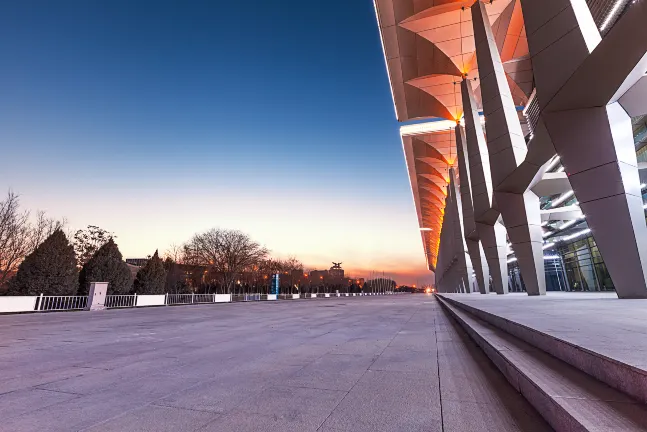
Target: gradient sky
pixel 157 119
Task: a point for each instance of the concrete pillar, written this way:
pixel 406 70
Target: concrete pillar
pixel 491 234
pixel 464 261
pixel 472 242
pixel 507 150
pixel 579 79
pixel 597 149
pixel 97 296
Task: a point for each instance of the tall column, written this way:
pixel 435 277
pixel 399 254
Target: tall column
pixel 507 150
pixel 579 78
pixel 474 248
pixel 491 234
pixel 445 253
pixel 597 149
pixel 464 261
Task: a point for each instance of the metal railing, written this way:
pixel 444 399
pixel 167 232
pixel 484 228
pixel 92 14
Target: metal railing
pixel 45 303
pixel 120 301
pixel 179 299
pixel 203 298
pixel 174 299
pixel 61 303
pixel 248 297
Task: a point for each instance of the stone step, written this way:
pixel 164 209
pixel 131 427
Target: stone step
pixel 614 370
pixel 567 398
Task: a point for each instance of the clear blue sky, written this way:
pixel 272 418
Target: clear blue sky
pixel 157 119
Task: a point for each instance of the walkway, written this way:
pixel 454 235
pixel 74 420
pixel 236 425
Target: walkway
pixel 598 322
pixel 394 363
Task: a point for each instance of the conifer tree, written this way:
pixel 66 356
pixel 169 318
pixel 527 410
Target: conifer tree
pixel 50 269
pixel 106 265
pixel 151 278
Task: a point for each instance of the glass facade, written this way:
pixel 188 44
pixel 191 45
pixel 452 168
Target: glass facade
pixel 574 266
pixel 584 267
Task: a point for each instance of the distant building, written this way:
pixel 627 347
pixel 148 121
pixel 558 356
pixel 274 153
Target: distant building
pixel 139 262
pixel 317 276
pixel 133 270
pixel 336 271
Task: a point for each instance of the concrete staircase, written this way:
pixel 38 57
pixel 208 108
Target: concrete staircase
pixel 573 389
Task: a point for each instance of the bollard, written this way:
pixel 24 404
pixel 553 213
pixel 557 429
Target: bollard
pixel 97 296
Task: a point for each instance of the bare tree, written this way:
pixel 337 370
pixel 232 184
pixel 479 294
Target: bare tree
pixel 43 228
pixel 14 236
pixel 88 241
pixel 174 253
pixel 290 264
pixel 227 253
pixel 18 236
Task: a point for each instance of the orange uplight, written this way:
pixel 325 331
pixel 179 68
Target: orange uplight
pixel 428 290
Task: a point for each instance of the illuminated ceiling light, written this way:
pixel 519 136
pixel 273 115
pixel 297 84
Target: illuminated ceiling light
pixel 612 13
pixel 511 260
pixel 560 169
pixel 576 235
pixel 427 127
pixel 554 163
pixel 550 257
pixel 548 246
pixel 562 198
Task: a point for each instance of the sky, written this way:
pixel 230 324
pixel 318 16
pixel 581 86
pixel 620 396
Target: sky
pixel 158 119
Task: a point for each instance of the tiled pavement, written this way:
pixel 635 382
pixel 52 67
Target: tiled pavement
pixel 394 363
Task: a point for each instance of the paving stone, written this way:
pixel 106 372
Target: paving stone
pixel 251 422
pixel 156 419
pixel 389 401
pixel 403 360
pixel 476 417
pixel 335 365
pixel 310 406
pixel 332 372
pixel 20 402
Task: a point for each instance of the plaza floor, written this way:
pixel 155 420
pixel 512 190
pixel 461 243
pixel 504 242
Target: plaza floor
pixel 598 322
pixel 393 363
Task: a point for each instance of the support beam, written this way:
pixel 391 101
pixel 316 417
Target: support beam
pixel 507 150
pixel 491 234
pixel 597 149
pixel 591 131
pixel 464 261
pixel 474 248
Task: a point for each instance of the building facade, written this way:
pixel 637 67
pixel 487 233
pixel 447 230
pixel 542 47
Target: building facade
pixel 527 157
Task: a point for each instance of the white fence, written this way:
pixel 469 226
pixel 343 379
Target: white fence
pixel 42 303
pixel 150 300
pixel 61 303
pixel 120 301
pixel 179 299
pixel 18 303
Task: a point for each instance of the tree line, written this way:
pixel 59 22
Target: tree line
pixel 40 257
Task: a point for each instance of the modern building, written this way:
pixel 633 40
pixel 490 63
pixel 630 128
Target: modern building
pixel 336 271
pixel 139 262
pixel 525 138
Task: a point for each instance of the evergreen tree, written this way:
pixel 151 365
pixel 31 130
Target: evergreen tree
pixel 175 278
pixel 151 278
pixel 106 265
pixel 50 269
